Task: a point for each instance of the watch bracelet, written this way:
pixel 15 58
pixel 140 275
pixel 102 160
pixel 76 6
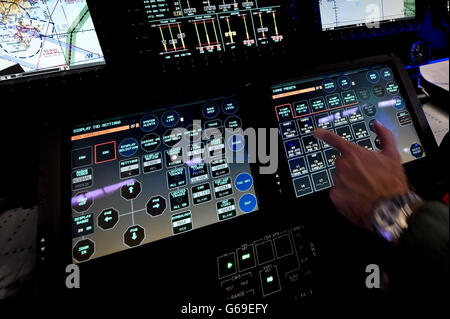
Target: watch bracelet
pixel 405 203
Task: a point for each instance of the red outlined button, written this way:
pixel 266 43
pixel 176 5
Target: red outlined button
pixel 105 152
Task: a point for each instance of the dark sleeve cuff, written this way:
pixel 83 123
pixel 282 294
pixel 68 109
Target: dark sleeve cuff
pixel 428 231
pixel 422 255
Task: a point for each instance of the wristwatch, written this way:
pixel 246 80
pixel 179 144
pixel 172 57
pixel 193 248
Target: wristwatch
pixel 390 217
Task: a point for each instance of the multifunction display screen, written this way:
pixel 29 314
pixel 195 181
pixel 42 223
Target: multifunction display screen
pixel 46 36
pixel 145 177
pixel 185 27
pixel 347 103
pixel 336 14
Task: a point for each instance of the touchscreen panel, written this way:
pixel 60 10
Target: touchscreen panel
pixel 134 182
pixel 347 103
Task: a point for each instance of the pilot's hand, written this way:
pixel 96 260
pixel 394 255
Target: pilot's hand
pixel 364 177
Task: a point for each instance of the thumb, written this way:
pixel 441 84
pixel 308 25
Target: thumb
pixel 388 144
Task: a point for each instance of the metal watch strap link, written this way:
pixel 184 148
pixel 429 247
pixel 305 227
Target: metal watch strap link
pixel 390 217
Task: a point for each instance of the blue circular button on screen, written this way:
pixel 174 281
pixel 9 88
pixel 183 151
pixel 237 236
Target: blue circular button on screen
pixel 170 118
pixel 247 203
pixel 399 103
pixel 236 143
pixel 210 110
pixel 345 82
pixel 387 74
pixel 243 182
pixel 329 86
pixel 416 150
pixel 230 106
pixel 373 77
pixel 128 147
pixel 149 123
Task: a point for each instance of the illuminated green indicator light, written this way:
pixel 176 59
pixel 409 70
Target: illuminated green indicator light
pixel 245 257
pixel 229 265
pixel 269 279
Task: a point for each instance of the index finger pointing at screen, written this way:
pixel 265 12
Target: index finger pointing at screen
pixel 334 140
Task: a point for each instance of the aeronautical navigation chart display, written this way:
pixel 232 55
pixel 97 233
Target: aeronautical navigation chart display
pixel 53 35
pixel 347 104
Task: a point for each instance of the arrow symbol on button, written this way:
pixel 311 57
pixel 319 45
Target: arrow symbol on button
pixel 134 236
pixel 107 219
pixel 156 205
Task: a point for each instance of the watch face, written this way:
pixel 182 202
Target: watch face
pixel 389 220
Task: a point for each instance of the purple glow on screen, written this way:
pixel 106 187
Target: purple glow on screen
pixel 97 193
pixel 326 119
pixel 350 111
pixel 388 103
pixel 194 161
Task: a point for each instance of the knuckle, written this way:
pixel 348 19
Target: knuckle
pixel 353 155
pixel 342 165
